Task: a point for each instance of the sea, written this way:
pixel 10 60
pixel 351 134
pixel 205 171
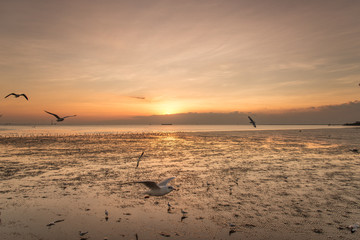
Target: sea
pixel 39 130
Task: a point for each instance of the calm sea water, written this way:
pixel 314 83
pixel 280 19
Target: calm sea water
pixel 104 129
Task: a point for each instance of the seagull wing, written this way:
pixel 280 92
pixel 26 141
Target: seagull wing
pixel 138 161
pixel 252 121
pixel 24 96
pixel 10 94
pixel 149 184
pixel 166 181
pixel 52 114
pixel 70 116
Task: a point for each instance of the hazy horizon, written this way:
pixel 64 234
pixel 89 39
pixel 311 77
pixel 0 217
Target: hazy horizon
pixel 331 114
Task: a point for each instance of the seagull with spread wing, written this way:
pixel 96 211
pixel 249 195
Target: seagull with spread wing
pixel 59 119
pixel 138 161
pixel 158 189
pixel 252 121
pixel 18 95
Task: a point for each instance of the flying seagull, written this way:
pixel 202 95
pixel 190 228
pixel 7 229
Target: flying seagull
pixel 252 121
pixel 59 119
pixel 18 95
pixel 159 189
pixel 138 161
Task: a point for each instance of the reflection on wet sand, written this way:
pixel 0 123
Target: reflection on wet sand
pixel 268 184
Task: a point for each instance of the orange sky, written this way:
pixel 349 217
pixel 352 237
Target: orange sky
pixel 113 59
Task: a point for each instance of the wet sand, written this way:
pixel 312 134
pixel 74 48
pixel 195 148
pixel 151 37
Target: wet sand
pixel 268 184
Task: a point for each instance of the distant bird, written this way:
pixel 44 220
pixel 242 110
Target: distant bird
pixel 50 224
pixel 169 207
pixel 183 212
pixel 18 95
pixel 183 215
pixel 138 161
pixel 159 189
pixel 106 215
pixel 82 233
pixel 354 227
pixel 252 121
pixel 59 119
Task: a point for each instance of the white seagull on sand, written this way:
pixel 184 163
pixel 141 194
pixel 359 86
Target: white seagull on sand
pixel 252 121
pixel 59 119
pixel 159 189
pixel 18 95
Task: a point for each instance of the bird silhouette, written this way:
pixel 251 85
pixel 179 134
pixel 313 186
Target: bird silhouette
pixel 59 119
pixel 252 121
pixel 138 161
pixel 18 95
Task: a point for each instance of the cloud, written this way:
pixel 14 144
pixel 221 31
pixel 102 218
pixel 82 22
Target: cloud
pixel 329 114
pixel 141 98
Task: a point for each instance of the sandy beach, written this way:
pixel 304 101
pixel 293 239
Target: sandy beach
pixel 285 184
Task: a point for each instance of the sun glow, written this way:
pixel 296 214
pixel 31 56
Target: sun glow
pixel 169 108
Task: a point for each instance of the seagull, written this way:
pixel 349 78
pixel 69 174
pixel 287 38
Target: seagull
pixel 252 121
pixel 138 161
pixel 82 233
pixel 183 212
pixel 59 119
pixel 159 189
pixel 18 95
pixel 353 227
pixel 183 215
pixel 169 207
pixel 106 215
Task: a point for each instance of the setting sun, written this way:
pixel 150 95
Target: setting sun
pixel 169 108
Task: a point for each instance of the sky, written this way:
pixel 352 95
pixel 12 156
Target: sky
pixel 115 60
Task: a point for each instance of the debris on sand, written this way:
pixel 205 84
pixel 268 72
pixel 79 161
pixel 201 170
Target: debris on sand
pixel 164 234
pixel 318 230
pixel 232 231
